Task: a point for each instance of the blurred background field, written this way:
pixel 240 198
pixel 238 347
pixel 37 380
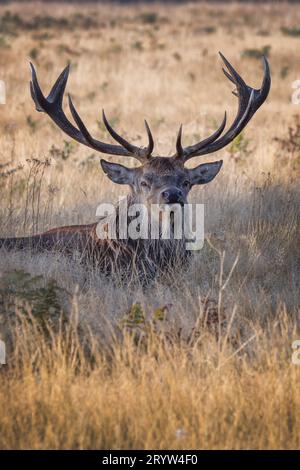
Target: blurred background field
pixel 199 359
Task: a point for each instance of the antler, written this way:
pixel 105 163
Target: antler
pixel 250 100
pixel 52 105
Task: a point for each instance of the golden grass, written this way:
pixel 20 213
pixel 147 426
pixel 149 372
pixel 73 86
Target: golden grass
pixel 160 394
pixel 236 389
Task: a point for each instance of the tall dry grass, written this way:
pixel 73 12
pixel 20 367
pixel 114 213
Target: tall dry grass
pixel 216 371
pixel 161 393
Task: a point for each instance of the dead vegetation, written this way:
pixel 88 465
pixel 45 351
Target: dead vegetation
pixel 202 357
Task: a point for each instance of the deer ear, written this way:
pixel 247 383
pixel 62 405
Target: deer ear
pixel 117 173
pixel 204 173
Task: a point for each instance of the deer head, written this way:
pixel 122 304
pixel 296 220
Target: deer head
pixel 159 180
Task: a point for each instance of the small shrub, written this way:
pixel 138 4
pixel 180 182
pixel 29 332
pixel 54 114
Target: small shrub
pixel 257 53
pixel 149 17
pixel 34 53
pixel 136 323
pixel 104 86
pixel 30 296
pixel 41 22
pixel 294 32
pixel 64 153
pixel 289 146
pixel 82 21
pixel 3 43
pixel 32 123
pixel 10 23
pixel 284 71
pixel 138 45
pixel 240 148
pixel 177 56
pixel 142 327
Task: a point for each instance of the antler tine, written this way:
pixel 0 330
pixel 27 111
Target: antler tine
pixel 249 99
pixel 90 141
pixel 52 105
pixel 150 147
pixel 53 101
pixel 179 148
pixel 184 152
pixel 140 153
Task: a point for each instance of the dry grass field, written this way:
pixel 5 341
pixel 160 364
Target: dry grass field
pixel 199 359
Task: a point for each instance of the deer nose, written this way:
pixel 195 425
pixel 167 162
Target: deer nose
pixel 172 195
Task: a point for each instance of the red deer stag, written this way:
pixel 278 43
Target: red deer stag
pixel 159 180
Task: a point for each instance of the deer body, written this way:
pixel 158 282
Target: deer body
pixel 159 180
pixel 140 258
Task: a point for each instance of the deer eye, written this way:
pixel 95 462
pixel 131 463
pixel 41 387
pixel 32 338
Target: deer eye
pixel 144 184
